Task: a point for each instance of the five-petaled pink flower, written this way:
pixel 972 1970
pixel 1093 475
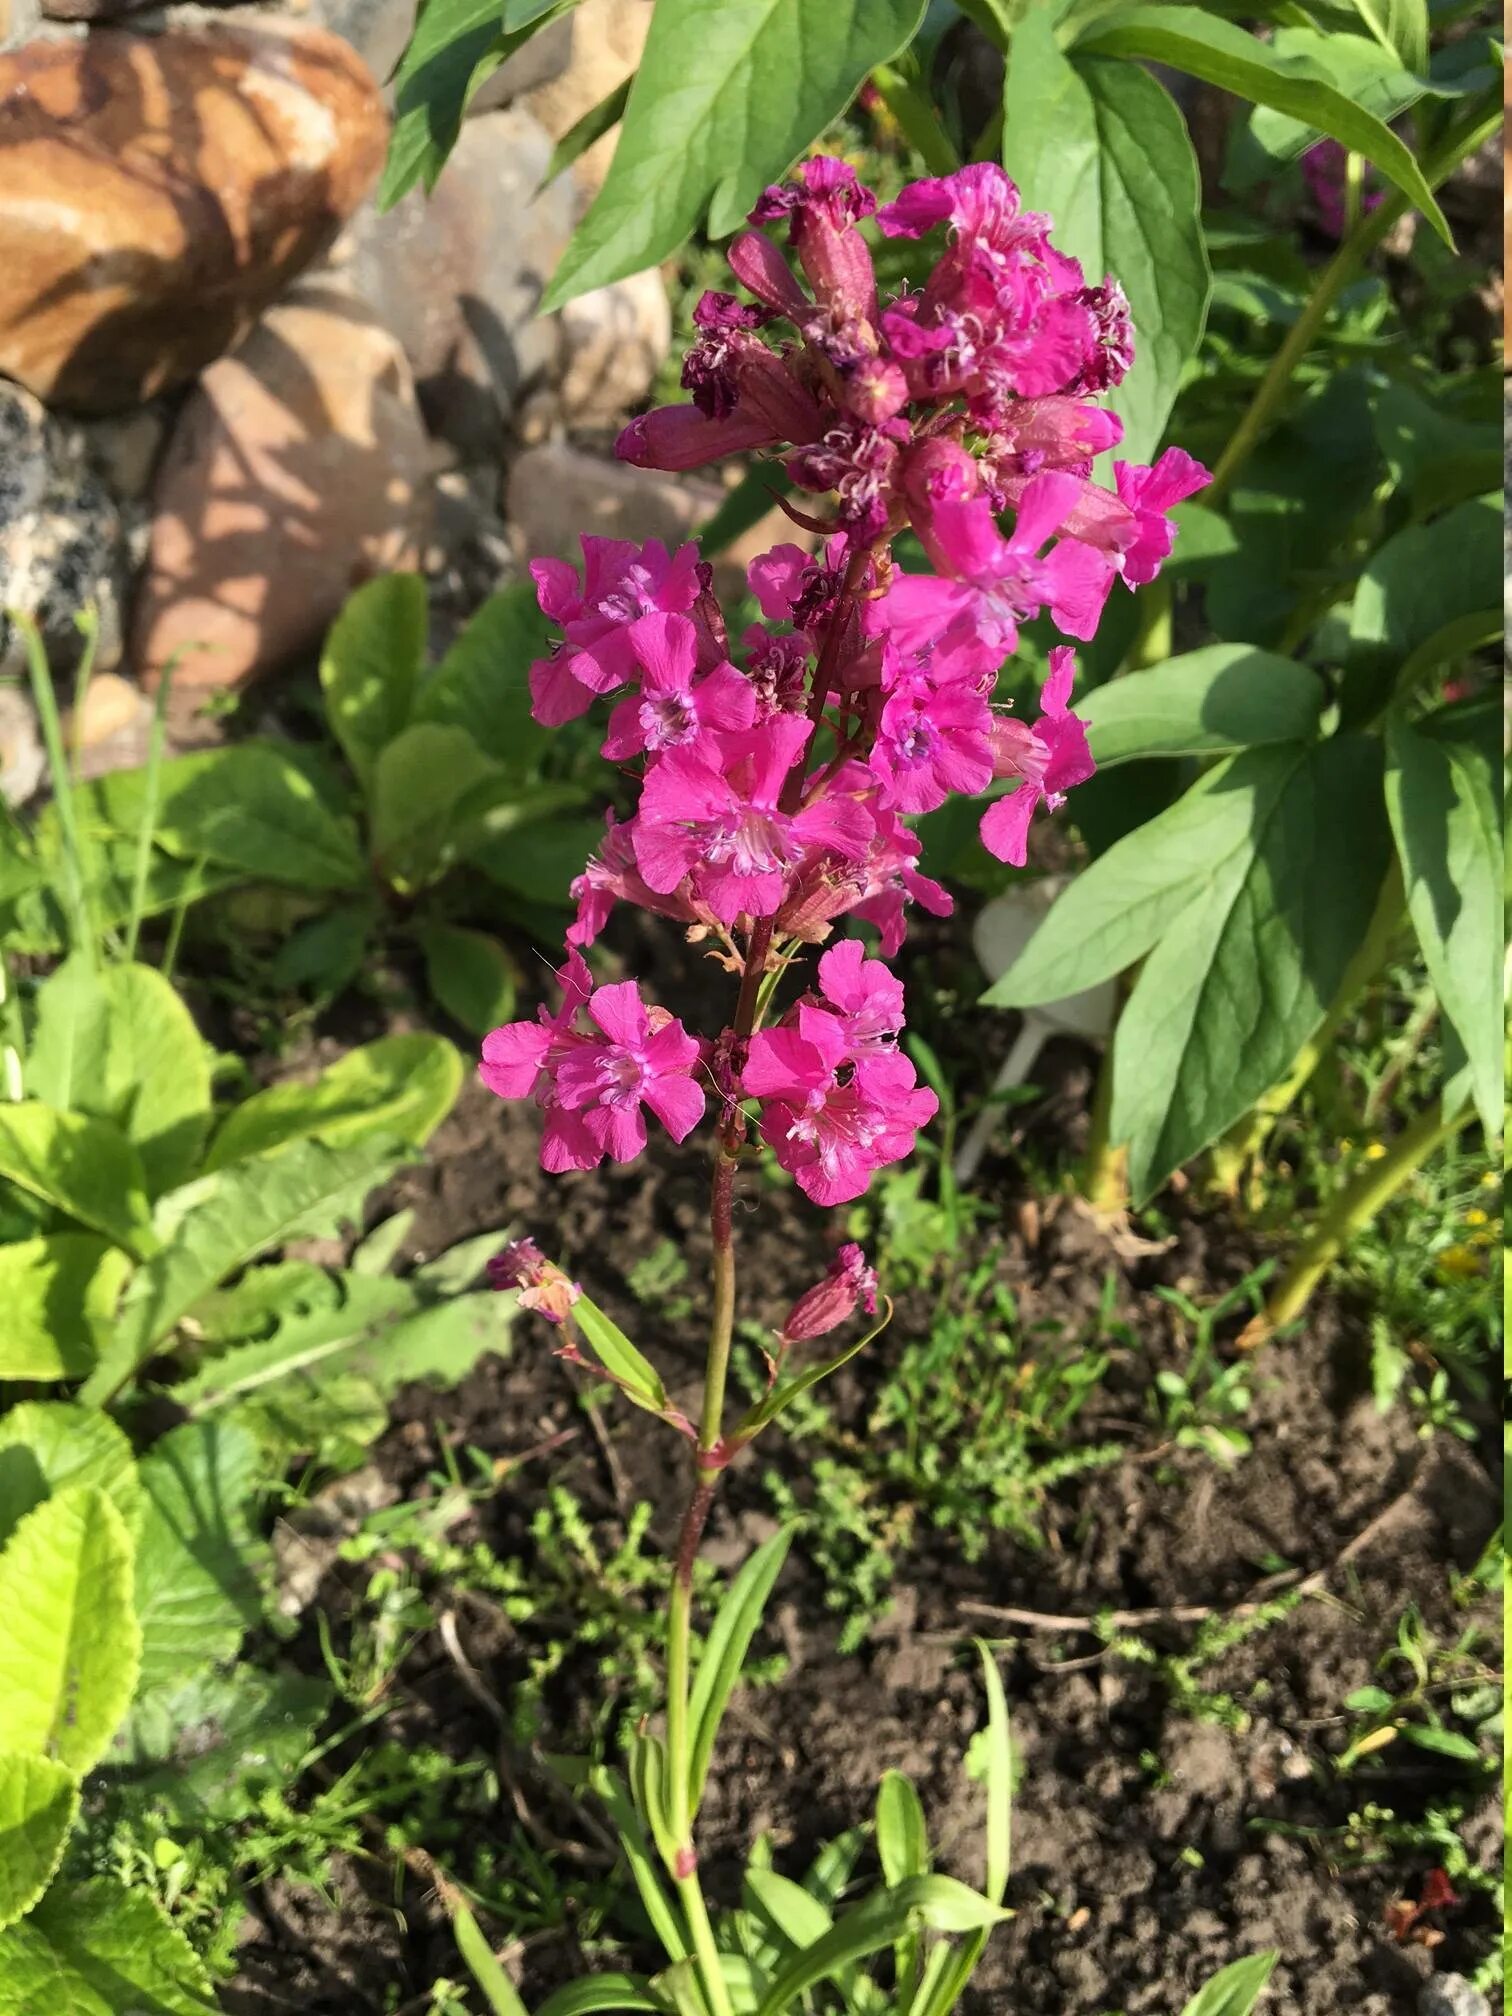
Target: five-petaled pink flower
pixel 1048 758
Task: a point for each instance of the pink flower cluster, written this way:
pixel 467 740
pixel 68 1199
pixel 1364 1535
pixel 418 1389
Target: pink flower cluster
pixel 777 774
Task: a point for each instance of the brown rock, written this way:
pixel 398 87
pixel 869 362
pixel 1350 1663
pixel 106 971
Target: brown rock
pixel 296 470
pixel 614 341
pixel 607 39
pixel 159 191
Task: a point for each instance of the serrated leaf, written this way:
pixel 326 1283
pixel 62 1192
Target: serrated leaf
pixel 201 1748
pixel 400 1086
pixel 902 1833
pixel 120 1044
pixel 724 1652
pixel 195 1594
pixel 38 1802
pixel 48 1445
pixel 310 1343
pixel 249 807
pixel 220 1223
pixel 371 665
pixel 71 1645
pixel 1101 147
pixel 482 685
pixel 1223 697
pixel 1244 976
pixel 1221 53
pixel 469 973
pixel 1443 792
pixel 1236 1989
pixel 59 1294
pixel 98 1949
pixel 83 1167
pixel 707 136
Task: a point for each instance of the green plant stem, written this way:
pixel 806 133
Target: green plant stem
pixel 916 116
pixel 1354 1207
pixel 75 883
pixel 1357 247
pixel 151 795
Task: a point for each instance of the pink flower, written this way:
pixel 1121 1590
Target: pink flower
pixel 1150 494
pixel 710 812
pixel 672 706
pixel 848 1284
pixel 824 203
pixel 543 1286
pixel 611 877
pixel 521 1061
pixel 829 1117
pixel 621 583
pixel 646 1060
pixel 866 997
pixel 932 739
pixel 1049 759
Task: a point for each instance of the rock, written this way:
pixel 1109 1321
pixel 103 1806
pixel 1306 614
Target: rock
pixel 19 21
pixel 607 39
pixel 297 469
pixel 458 278
pixel 542 59
pixel 125 446
pixel 22 761
pixel 556 492
pixel 112 729
pixel 614 341
pixel 1451 1995
pixel 61 544
pixel 160 191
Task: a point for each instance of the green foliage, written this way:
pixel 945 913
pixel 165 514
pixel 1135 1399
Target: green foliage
pixel 97 1949
pixel 194 1593
pixel 399 1086
pixel 1236 1990
pixel 38 1801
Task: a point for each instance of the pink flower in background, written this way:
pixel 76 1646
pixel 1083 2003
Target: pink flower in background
pixel 848 1285
pixel 543 1286
pixel 1324 169
pixel 1150 494
pixel 1048 758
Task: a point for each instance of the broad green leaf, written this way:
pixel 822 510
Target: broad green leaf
pixel 1202 537
pixel 399 1086
pixel 195 1595
pixel 38 1802
pixel 1102 148
pixel 455 46
pixel 309 1342
pixel 71 1644
pixel 1244 976
pixel 1419 582
pixel 1236 1990
pixel 59 1294
pixel 85 1168
pixel 223 1221
pixel 199 1748
pixel 372 661
pixel 1365 72
pixel 935 1903
pixel 601 1992
pixel 902 1833
pixel 1436 458
pixel 540 862
pixel 635 1374
pixel 469 973
pixel 705 136
pixel 99 1949
pixel 1443 792
pixel 498 1990
pixel 580 136
pixel 1221 53
pixel 48 1445
pixel 326 954
pixel 460 1267
pixel 120 1044
pixel 441 1345
pixel 422 784
pixel 250 807
pixel 724 1652
pixel 1401 28
pixel 1222 697
pixel 1114 911
pixel 483 683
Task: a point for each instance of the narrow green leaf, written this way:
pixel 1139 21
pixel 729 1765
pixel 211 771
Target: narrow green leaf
pixel 223 1221
pixel 85 1168
pixel 59 1294
pixel 1221 53
pixel 783 1394
pixel 1443 793
pixel 786 1909
pixel 47 1445
pixel 915 114
pixel 595 123
pixel 71 1646
pixel 1220 698
pixel 399 1086
pixel 1236 1990
pixel 708 135
pixel 498 1990
pixel 371 665
pixel 999 1778
pixel 724 1652
pixel 601 1992
pixel 935 1903
pixel 902 1832
pixel 195 1595
pixel 636 1375
pixel 1401 28
pixel 1101 147
pixel 610 1789
pixel 38 1802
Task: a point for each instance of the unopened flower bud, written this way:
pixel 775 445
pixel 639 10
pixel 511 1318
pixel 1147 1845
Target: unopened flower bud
pixel 827 1304
pixel 543 1286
